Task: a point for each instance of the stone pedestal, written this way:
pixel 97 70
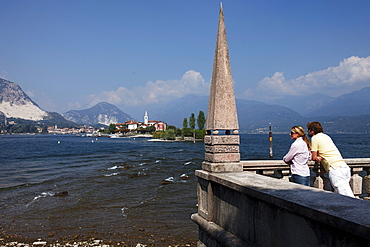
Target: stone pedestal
pixel 319 181
pixel 222 153
pixel 367 182
pixel 356 181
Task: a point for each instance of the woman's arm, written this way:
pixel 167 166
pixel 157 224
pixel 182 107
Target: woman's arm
pixel 290 155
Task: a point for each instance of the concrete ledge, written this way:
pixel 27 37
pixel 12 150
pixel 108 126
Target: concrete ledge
pixel 339 211
pixel 266 211
pixel 217 233
pixel 222 167
pixel 252 165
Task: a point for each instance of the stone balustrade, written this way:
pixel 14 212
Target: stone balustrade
pixel 280 169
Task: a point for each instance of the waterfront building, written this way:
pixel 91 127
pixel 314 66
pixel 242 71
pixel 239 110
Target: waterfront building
pixel 132 125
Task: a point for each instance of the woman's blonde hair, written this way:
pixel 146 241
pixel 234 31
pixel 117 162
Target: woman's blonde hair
pixel 300 131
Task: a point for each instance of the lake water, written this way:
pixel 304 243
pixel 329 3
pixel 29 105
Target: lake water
pixel 115 189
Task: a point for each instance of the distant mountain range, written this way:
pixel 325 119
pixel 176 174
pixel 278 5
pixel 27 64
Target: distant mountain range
pixel 351 104
pixel 253 115
pixel 15 104
pixel 348 113
pixel 304 105
pixel 102 113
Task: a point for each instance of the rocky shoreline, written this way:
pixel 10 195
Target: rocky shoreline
pixel 41 243
pixel 91 241
pixel 86 243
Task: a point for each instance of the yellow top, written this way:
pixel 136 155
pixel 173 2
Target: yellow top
pixel 326 148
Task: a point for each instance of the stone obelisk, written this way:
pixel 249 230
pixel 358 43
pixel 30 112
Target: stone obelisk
pixel 222 139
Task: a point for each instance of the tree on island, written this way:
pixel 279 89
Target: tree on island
pixel 185 123
pixel 192 121
pixel 201 120
pixel 169 134
pixel 191 131
pixel 111 128
pixel 150 128
pixel 188 130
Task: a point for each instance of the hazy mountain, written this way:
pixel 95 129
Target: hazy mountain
pixel 102 113
pixel 346 124
pixel 175 111
pixel 304 104
pixel 252 114
pixel 14 103
pixel 351 104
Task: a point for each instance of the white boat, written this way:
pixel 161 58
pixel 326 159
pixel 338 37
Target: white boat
pixel 117 135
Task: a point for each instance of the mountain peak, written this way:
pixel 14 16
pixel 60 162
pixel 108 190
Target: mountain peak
pixel 350 104
pixel 14 103
pixel 101 113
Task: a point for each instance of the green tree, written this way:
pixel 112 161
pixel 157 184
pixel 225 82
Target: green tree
pixel 192 121
pixel 165 135
pixel 199 134
pixel 185 123
pixel 171 127
pixel 201 120
pixel 187 132
pixel 111 128
pixel 150 128
pixel 169 134
pixel 176 130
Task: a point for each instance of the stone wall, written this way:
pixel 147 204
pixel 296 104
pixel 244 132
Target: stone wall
pixel 246 209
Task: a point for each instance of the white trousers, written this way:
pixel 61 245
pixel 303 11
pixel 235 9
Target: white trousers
pixel 339 179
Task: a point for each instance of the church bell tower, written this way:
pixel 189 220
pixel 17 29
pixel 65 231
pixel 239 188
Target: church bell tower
pixel 146 118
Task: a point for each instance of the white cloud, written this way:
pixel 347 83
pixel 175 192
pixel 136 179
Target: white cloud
pixel 121 95
pixel 351 74
pixel 154 92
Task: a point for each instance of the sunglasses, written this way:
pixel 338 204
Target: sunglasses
pixel 292 133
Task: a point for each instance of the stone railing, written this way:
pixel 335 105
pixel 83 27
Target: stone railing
pixel 238 209
pixel 278 168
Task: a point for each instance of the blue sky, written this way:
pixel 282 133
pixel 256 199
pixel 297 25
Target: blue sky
pixel 137 55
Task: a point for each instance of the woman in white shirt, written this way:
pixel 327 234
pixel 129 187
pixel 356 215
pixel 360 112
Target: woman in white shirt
pixel 298 156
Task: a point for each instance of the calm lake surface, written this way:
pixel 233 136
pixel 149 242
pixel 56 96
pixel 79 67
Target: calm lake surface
pixel 115 189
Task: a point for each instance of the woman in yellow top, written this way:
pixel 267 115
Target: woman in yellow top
pixel 324 150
